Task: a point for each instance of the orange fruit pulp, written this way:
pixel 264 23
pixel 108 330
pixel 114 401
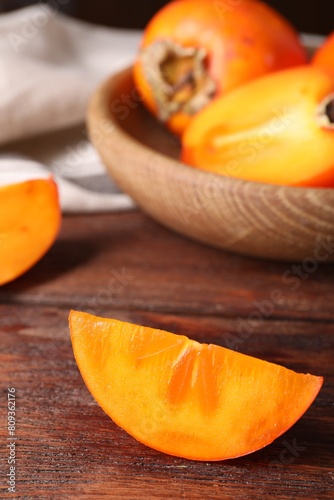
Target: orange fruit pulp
pixel 184 398
pixel 30 219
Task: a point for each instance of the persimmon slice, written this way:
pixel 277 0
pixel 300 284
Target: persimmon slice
pixel 30 219
pixel 192 400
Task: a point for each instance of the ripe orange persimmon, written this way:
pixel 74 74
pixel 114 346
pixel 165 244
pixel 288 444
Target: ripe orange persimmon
pixel 278 129
pixel 194 50
pixel 187 399
pixel 324 56
pixel 30 219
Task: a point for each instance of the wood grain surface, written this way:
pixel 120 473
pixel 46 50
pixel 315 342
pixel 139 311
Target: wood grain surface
pixel 128 267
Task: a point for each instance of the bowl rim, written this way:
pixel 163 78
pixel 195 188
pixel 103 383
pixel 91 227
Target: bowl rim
pixel 100 105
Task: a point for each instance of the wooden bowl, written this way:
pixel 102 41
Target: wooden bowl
pixel 260 220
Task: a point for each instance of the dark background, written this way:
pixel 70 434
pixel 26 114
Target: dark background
pixel 311 17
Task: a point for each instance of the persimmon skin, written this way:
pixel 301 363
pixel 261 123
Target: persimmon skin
pixel 324 56
pixel 272 130
pixel 30 218
pixel 192 400
pixel 242 42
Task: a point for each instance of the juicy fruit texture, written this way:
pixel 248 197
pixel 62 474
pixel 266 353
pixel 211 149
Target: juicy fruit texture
pixel 187 399
pixel 29 223
pixel 324 56
pixel 194 50
pixel 277 129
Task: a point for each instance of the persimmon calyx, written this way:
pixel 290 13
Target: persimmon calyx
pixel 325 112
pixel 178 78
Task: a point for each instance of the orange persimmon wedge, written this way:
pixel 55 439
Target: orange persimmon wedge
pixel 30 219
pixel 192 400
pixel 277 129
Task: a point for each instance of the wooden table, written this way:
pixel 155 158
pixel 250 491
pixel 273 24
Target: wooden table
pixel 128 267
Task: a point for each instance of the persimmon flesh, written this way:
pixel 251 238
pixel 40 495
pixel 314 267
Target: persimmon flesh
pixel 192 400
pixel 30 218
pixel 195 50
pixel 278 129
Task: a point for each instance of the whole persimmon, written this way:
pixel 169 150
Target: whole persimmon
pixel 324 56
pixel 194 50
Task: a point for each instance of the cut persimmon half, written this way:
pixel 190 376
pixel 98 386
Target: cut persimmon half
pixel 30 218
pixel 181 397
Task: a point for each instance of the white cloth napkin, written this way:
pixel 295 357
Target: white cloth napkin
pixel 50 65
